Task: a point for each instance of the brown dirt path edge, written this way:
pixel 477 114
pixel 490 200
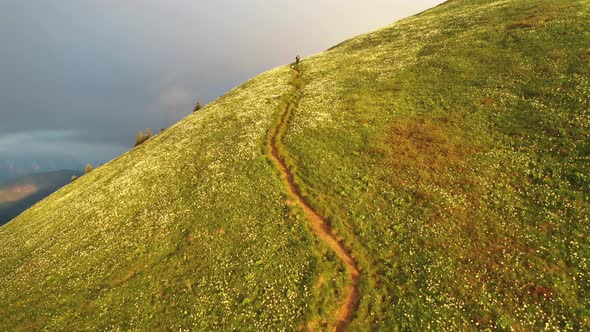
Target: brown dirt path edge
pixel 319 225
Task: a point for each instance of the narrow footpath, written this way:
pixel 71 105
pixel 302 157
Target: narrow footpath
pixel 320 227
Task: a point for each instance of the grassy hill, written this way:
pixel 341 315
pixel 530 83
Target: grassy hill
pixel 448 153
pixel 19 194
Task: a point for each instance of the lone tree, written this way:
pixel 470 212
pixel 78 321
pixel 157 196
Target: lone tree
pixel 197 106
pixel 88 169
pixel 297 59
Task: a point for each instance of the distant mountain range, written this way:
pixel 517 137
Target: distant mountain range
pixel 23 192
pixel 12 167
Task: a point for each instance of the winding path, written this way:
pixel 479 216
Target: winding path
pixel 318 224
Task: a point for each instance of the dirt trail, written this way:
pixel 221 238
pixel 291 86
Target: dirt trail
pixel 319 225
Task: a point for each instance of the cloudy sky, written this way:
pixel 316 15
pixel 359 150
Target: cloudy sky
pixel 79 78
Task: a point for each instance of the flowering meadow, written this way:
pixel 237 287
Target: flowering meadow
pixel 450 152
pixel 189 231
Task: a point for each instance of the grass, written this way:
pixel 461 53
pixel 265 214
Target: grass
pixel 449 151
pixel 191 230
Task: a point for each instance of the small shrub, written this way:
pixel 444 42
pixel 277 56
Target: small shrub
pixel 141 137
pixel 197 106
pixel 88 169
pixel 74 178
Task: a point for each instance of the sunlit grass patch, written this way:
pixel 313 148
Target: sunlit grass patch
pixel 426 149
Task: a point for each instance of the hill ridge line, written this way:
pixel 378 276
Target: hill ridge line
pixel 319 225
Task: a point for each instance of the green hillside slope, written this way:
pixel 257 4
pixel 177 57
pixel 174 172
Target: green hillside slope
pixel 448 153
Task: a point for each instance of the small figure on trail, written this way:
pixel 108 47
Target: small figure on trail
pixel 297 59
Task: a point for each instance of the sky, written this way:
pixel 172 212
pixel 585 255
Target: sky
pixel 79 78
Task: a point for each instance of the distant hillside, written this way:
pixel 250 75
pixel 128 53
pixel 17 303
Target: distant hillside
pixel 12 167
pixel 429 176
pixel 19 194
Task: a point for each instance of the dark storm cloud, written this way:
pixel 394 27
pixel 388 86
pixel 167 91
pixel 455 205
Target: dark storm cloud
pixel 85 75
